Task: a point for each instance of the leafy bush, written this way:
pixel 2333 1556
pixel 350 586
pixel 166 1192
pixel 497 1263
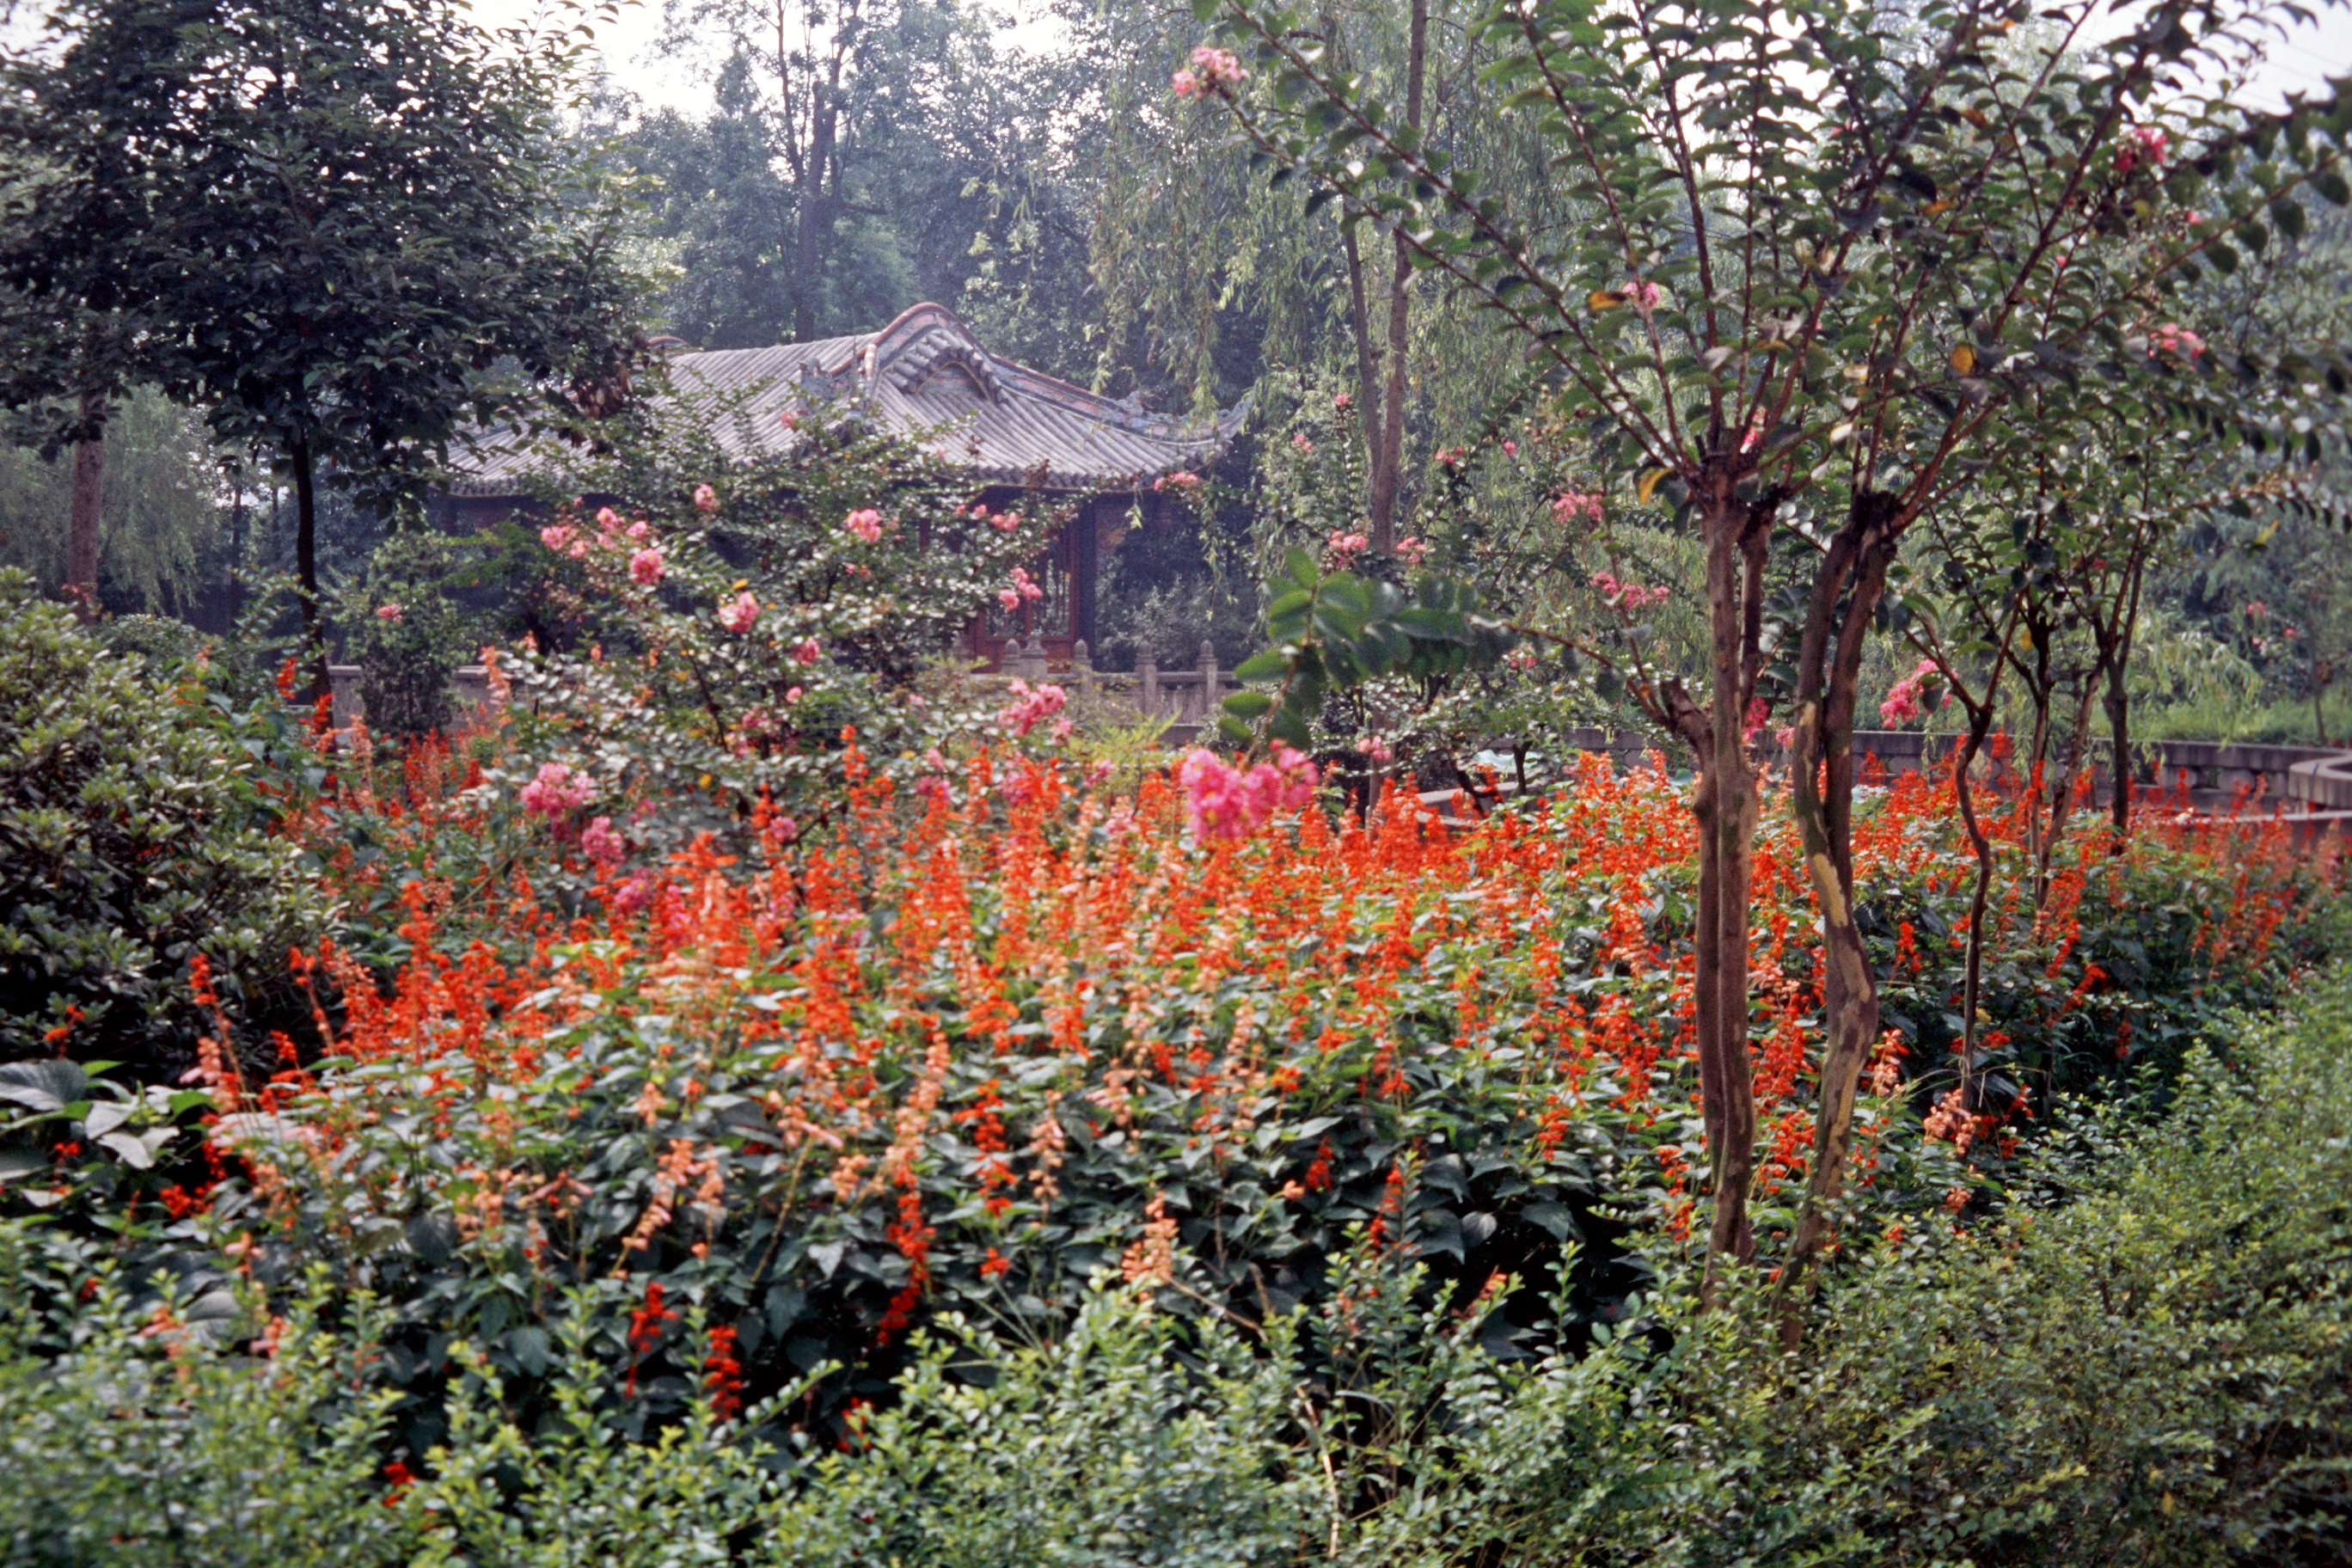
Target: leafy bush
pixel 2151 1364
pixel 408 636
pixel 133 837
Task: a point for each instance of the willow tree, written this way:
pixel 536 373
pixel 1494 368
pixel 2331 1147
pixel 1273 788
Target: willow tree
pixel 1834 251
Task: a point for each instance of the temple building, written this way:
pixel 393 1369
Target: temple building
pixel 1011 429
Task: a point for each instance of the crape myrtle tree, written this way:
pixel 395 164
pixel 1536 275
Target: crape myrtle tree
pixel 346 230
pixel 1832 252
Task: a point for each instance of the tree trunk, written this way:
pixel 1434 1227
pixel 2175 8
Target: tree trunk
pixel 1387 464
pixel 815 206
pixel 1723 803
pixel 83 518
pixel 1852 573
pixel 306 562
pixel 2119 712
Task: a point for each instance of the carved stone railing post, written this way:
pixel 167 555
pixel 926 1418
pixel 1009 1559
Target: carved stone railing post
pixel 1208 679
pixel 1032 659
pixel 1082 669
pixel 1147 671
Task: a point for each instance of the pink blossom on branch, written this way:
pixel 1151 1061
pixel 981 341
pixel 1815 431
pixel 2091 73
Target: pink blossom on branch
pixel 1032 705
pixel 388 612
pixel 805 651
pixel 1212 70
pixel 1414 550
pixel 601 843
pixel 1341 550
pixel 706 500
pixel 558 790
pixel 1903 699
pixel 866 524
pixel 1222 802
pixel 1568 508
pixel 740 614
pixel 645 567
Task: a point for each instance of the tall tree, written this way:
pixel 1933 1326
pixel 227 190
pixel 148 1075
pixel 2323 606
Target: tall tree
pixel 349 231
pixel 1833 253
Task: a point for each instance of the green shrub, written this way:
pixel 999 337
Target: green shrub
pixel 132 836
pixel 2150 1364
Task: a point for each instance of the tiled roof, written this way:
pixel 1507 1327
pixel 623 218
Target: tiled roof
pixel 925 375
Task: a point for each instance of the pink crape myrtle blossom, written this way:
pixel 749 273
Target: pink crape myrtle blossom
pixel 866 523
pixel 1568 508
pixel 1629 595
pixel 601 843
pixel 1341 548
pixel 2172 338
pixel 1414 550
pixel 805 651
pixel 1220 801
pixel 740 614
pixel 563 538
pixel 1902 705
pixel 645 567
pixel 706 500
pixel 1032 705
pixel 389 611
pixel 1183 481
pixel 1212 70
pixel 557 792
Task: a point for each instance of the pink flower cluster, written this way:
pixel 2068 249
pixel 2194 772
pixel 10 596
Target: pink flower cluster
pixel 1451 456
pixel 1024 587
pixel 1628 595
pixel 2144 147
pixel 1183 481
pixel 1306 447
pixel 601 843
pixel 1342 402
pixel 647 567
pixel 558 791
pixel 1902 705
pixel 1223 801
pixel 1567 508
pixel 1377 749
pixel 2172 338
pixel 866 523
pixel 1032 705
pixel 388 612
pixel 1643 294
pixel 1753 722
pixel 1522 659
pixel 805 651
pixel 1214 70
pixel 1413 551
pixel 740 614
pixel 612 537
pixel 706 500
pixel 1341 550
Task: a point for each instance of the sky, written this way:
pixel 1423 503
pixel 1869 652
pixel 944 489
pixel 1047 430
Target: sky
pixel 630 47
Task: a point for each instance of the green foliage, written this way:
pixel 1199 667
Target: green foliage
pixel 159 511
pixel 408 635
pixel 2149 1364
pixel 132 836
